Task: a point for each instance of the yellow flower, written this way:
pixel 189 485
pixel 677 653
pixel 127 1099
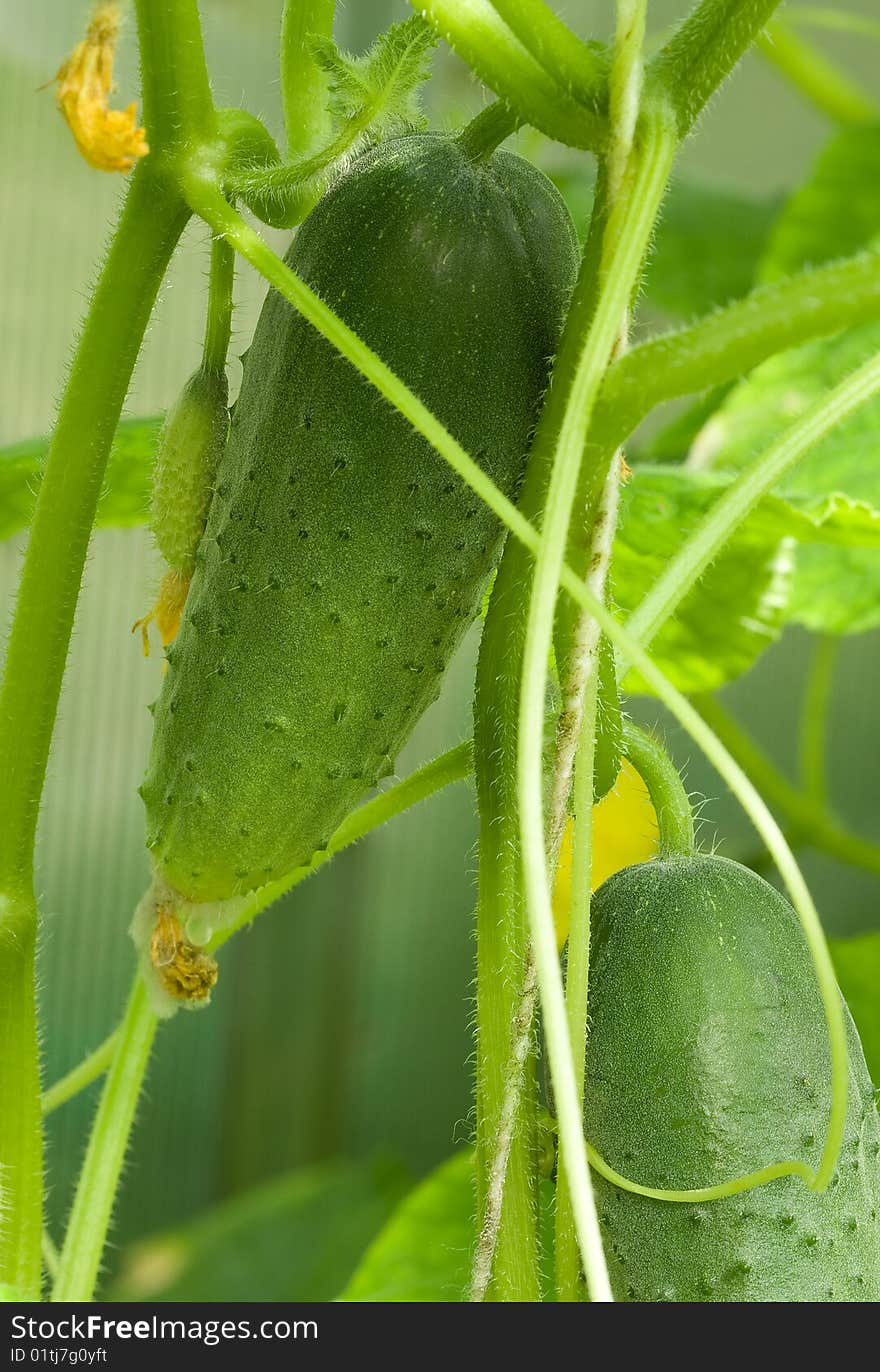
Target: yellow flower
pixel 624 832
pixel 108 139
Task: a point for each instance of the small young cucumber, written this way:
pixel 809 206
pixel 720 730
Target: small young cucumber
pixel 343 561
pixel 190 447
pixel 707 1059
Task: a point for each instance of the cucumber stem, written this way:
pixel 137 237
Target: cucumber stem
pixel 675 819
pixel 218 320
pixel 488 130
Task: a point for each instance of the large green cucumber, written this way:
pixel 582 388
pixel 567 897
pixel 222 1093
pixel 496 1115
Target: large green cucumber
pixel 342 560
pixel 708 1059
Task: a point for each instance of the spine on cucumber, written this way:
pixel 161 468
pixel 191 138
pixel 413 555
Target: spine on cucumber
pixel 708 1059
pixel 342 560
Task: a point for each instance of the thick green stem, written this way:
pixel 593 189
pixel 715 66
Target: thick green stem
pixel 90 1217
pixel 727 344
pixel 502 939
pixel 475 30
pixel 178 110
pixel 488 130
pixel 150 225
pixel 824 84
pixel 576 67
pixel 743 495
pixel 575 752
pixel 705 49
pixel 303 82
pixel 630 224
pixel 675 818
pixel 218 321
pixel 21 1140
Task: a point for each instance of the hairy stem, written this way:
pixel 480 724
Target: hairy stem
pixel 151 222
pixel 488 130
pixel 304 83
pixel 476 31
pixel 178 109
pixel 21 1140
pixel 630 224
pixel 218 321
pixel 704 50
pixel 730 342
pixel 675 818
pixel 81 1076
pixel 80 1258
pixel 577 68
pixel 579 668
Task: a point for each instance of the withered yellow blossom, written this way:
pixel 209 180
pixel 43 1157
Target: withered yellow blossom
pixel 185 972
pixel 167 611
pixel 108 139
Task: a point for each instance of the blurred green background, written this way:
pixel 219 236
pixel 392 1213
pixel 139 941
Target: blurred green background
pixel 341 1022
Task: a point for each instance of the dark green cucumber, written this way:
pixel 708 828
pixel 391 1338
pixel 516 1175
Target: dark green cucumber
pixel 343 560
pixel 708 1059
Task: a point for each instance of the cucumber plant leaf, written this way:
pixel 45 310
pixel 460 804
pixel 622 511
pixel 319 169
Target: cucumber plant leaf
pixel 836 212
pixel 740 606
pixel 298 1238
pixel 424 1252
pixel 126 497
pixel 834 590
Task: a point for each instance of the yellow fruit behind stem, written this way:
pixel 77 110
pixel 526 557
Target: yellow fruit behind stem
pixel 624 833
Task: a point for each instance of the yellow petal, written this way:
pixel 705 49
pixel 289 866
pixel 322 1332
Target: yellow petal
pixel 624 832
pixel 108 139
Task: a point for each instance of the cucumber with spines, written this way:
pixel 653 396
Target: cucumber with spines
pixel 343 561
pixel 708 1059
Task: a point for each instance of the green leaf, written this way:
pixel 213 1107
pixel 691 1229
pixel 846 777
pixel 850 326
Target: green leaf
pixel 740 606
pixel 835 590
pixel 126 496
pixel 424 1252
pixel 732 614
pixel 380 91
pixel 836 212
pixel 857 963
pixel 296 1239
